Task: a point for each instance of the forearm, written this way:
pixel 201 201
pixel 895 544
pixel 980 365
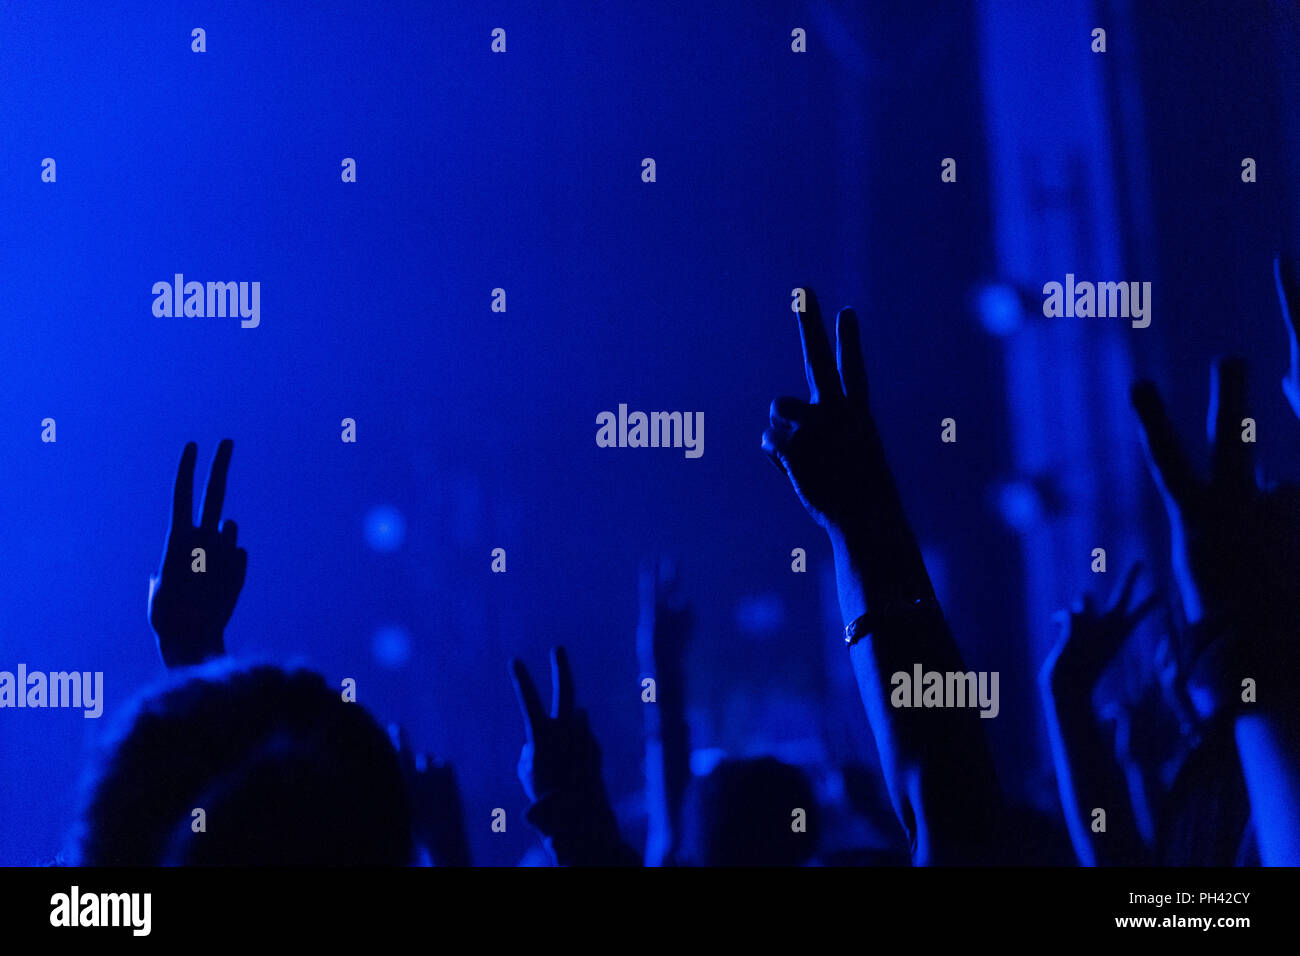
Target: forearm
pixel 878 564
pixel 936 763
pixel 667 742
pixel 197 646
pixel 580 829
pixel 667 770
pixel 1268 745
pixel 1236 645
pixel 1143 784
pixel 667 762
pixel 1089 778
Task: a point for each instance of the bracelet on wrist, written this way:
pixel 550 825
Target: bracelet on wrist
pixel 888 613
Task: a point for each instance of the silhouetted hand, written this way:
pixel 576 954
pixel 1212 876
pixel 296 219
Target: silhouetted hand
pixel 1086 771
pixel 1236 547
pixel 560 770
pixel 828 446
pixel 189 608
pixel 437 811
pixel 664 619
pixel 560 753
pixel 831 451
pixel 1090 639
pixel 1237 559
pixel 938 770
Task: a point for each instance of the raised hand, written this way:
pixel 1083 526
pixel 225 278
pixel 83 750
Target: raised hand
pixel 831 451
pixel 938 770
pixel 193 595
pixel 664 619
pixel 560 770
pixel 1236 547
pixel 828 446
pixel 560 753
pixel 1087 773
pixel 1236 555
pixel 437 811
pixel 1090 639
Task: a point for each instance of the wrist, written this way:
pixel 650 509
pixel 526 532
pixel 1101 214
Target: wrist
pixel 191 649
pixel 877 569
pixel 1070 679
pixel 575 820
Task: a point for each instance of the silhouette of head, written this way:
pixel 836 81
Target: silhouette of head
pixel 744 814
pixel 285 771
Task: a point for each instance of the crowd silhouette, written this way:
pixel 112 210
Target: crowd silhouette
pixel 1191 765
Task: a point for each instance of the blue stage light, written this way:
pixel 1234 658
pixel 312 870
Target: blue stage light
pixel 385 528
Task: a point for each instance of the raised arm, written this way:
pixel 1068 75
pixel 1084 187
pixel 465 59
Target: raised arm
pixel 1236 558
pixel 936 761
pixel 1088 775
pixel 663 629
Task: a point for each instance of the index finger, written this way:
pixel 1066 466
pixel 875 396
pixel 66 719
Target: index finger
pixel 1169 465
pixel 818 360
pixel 1286 273
pixel 1124 593
pixel 529 703
pixel 402 744
pixel 561 683
pixel 853 371
pixel 1231 457
pixel 215 494
pixel 183 492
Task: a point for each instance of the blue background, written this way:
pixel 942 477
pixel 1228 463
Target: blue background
pixel 522 171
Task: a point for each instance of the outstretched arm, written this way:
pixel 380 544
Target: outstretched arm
pixel 663 628
pixel 1269 743
pixel 193 595
pixel 1236 557
pixel 1088 775
pixel 936 761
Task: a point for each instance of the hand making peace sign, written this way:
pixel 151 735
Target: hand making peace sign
pixel 193 595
